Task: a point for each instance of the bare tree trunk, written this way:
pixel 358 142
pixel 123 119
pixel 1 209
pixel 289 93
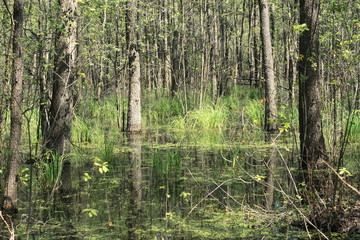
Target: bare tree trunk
pixel 268 63
pixel 183 57
pixel 175 63
pixel 58 134
pixel 251 48
pixel 205 49
pixel 239 46
pixel 167 67
pixel 134 106
pixel 312 142
pixel 215 50
pixel 10 203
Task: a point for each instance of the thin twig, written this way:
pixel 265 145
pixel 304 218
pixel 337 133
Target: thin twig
pixel 207 195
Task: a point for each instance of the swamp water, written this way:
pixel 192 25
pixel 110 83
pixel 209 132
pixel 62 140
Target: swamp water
pixel 165 185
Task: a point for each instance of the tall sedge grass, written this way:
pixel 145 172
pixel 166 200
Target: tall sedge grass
pixel 157 111
pixel 93 119
pixel 203 119
pixel 51 169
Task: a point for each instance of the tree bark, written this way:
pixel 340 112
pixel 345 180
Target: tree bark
pixel 215 49
pixel 134 105
pixel 58 134
pixel 167 63
pixel 268 63
pixel 10 203
pixel 312 142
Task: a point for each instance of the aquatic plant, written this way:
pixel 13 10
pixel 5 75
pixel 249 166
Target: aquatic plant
pixel 51 167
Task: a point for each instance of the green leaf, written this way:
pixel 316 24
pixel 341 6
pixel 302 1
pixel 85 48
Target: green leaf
pixel 90 211
pixel 86 177
pixel 300 28
pixel 185 195
pixel 344 172
pixel 259 178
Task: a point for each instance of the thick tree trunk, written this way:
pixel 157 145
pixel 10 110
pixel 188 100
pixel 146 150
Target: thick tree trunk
pixel 58 134
pixel 134 105
pixel 57 138
pixel 268 63
pixel 10 203
pixel 311 134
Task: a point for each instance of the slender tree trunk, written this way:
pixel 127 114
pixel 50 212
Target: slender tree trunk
pixel 257 54
pixel 167 67
pixel 215 50
pixel 239 45
pixel 312 142
pixel 251 47
pixel 183 56
pixel 268 63
pixel 175 63
pixel 10 203
pixel 118 82
pixel 224 73
pixel 134 105
pixel 205 49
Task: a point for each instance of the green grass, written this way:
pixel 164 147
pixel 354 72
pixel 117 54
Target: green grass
pixel 157 111
pixel 205 118
pixel 94 119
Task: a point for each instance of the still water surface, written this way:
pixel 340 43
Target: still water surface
pixel 166 185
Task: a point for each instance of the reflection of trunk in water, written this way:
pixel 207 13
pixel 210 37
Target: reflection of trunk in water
pixel 135 186
pixel 67 198
pixel 270 168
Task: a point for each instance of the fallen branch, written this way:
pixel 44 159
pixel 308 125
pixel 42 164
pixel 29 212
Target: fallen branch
pixel 341 178
pixel 9 228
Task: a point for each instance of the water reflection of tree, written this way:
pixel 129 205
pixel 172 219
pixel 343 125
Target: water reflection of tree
pixel 270 168
pixel 135 186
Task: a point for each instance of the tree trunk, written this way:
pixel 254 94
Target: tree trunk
pixel 312 142
pixel 268 63
pixel 58 134
pixel 167 66
pixel 239 46
pixel 215 49
pixel 10 203
pixel 134 105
